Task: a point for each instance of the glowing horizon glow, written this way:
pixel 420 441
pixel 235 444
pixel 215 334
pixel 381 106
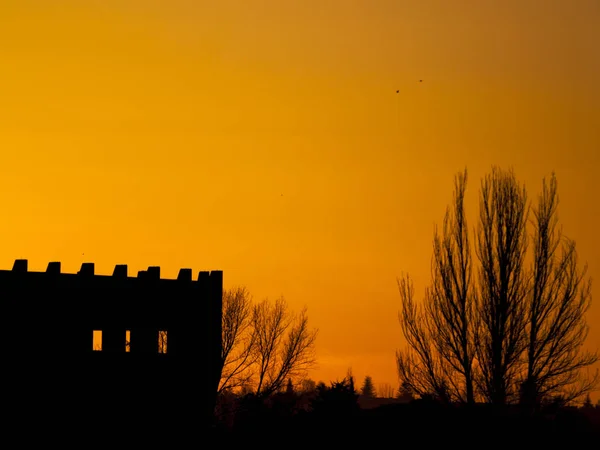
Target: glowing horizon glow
pixel 266 139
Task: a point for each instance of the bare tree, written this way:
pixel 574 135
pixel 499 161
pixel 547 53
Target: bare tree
pixel 238 338
pixel 264 344
pixel 450 298
pixel 308 385
pixel 441 337
pixel 502 243
pixel 556 307
pixel 419 365
pixel 385 390
pixel 284 345
pixel 511 330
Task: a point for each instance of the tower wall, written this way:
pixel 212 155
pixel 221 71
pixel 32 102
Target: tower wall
pixel 56 376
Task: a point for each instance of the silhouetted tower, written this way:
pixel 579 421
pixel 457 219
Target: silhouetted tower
pixel 114 352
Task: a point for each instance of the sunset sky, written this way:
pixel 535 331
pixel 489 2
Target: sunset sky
pixel 266 139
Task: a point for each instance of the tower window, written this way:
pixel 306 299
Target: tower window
pixel 97 340
pixel 162 341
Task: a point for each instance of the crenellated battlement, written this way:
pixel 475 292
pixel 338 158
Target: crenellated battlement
pixel 86 302
pixel 120 271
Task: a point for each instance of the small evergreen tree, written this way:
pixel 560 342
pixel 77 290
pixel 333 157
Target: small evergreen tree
pixel 368 389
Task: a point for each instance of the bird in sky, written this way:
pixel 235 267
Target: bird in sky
pixel 398 91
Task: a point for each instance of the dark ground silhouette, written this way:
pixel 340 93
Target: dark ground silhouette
pixel 332 414
pixel 58 391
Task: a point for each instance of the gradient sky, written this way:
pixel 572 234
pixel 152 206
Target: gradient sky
pixel 266 139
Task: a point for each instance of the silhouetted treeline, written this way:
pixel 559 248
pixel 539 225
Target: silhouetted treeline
pixel 331 414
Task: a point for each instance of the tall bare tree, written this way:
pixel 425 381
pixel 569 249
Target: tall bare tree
pixel 441 334
pixel 556 307
pixel 385 390
pixel 420 368
pixel 450 298
pixel 284 345
pixel 238 338
pixel 511 330
pixel 501 247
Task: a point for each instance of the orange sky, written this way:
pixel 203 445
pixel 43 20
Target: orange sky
pixel 165 133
